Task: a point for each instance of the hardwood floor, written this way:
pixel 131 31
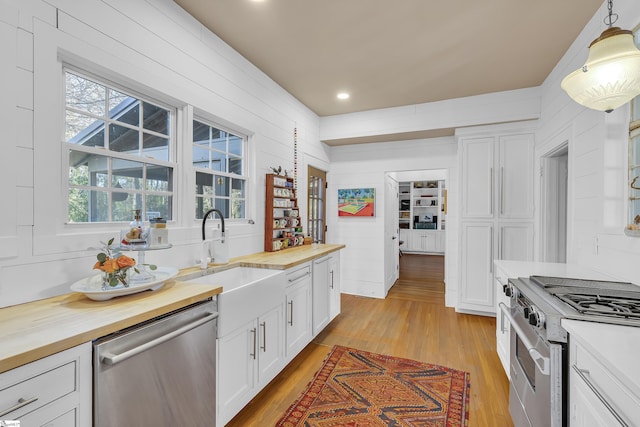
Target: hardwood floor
pixel 411 322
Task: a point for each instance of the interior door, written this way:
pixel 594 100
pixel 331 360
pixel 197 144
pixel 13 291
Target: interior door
pixel 391 230
pixel 316 204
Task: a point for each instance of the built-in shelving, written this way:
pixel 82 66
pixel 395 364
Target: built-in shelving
pixel 421 215
pixel 283 225
pixel 422 205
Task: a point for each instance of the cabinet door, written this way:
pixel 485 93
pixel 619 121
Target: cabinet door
pixel 270 344
pixel 237 354
pixel 515 242
pixel 320 298
pixel 413 241
pixel 430 243
pixel 298 317
pixel 48 417
pixel 334 285
pixel 515 176
pixel 503 328
pixel 478 177
pixel 57 390
pixel 586 409
pixel 476 285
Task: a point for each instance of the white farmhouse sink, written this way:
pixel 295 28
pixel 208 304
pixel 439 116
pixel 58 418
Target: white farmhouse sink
pixel 235 278
pixel 247 292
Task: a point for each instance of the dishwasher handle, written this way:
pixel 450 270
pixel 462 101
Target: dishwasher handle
pixel 112 359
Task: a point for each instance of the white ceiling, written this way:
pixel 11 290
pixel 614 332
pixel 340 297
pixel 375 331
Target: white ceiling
pixel 388 53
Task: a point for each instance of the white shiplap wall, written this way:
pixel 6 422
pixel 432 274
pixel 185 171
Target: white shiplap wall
pixel 598 144
pixel 150 46
pixel 364 166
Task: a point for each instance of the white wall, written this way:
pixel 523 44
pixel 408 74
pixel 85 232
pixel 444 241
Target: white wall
pixel 155 46
pixel 364 166
pixel 150 46
pixel 598 147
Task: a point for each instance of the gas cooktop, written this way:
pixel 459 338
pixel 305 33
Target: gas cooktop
pixel 594 300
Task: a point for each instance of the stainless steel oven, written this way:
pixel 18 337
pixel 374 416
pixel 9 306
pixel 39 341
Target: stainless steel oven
pixel 536 397
pixel 538 354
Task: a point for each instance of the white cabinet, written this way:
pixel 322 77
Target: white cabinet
pixel 248 358
pixel 429 241
pixel 334 285
pixel 321 292
pixel 482 243
pixel 503 327
pixel 265 332
pixel 478 177
pixel 515 176
pixel 298 310
pixel 496 175
pixel 54 391
pixel 515 241
pixel 597 395
pixel 476 284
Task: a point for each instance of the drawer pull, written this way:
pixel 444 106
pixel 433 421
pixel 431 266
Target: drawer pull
pixel 582 373
pixel 22 402
pixel 299 277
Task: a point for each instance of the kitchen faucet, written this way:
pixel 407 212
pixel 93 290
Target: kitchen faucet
pixel 205 243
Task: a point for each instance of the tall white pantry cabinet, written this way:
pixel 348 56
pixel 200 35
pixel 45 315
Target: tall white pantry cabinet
pixel 496 205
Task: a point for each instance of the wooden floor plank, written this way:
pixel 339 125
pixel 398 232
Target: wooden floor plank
pixel 411 322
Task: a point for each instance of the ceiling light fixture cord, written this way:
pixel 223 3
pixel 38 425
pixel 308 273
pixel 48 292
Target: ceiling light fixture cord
pixel 612 17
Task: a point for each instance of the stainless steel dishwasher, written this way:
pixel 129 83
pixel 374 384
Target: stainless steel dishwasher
pixel 159 373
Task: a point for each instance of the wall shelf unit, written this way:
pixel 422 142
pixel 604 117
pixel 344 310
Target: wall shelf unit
pixel 421 215
pixel 422 205
pixel 283 225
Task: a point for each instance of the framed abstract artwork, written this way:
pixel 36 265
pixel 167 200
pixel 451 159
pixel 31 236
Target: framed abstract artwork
pixel 356 202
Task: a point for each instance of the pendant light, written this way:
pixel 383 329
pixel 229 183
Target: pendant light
pixel 611 75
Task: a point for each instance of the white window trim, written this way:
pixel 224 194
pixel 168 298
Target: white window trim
pixel 249 205
pixel 173 143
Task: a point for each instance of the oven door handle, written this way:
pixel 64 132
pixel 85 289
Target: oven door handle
pixel 541 362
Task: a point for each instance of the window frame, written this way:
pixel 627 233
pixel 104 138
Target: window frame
pixel 245 177
pixel 172 150
pixel 633 147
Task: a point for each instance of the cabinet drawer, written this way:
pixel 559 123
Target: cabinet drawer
pixel 298 273
pixel 39 390
pixel 586 370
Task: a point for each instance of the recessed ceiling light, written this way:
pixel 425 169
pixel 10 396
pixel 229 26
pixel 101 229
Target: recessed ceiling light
pixel 343 95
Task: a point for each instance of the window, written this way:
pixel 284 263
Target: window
pixel 633 222
pixel 220 162
pixel 119 152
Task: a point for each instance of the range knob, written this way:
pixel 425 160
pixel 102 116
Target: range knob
pixel 507 290
pixel 526 312
pixel 536 319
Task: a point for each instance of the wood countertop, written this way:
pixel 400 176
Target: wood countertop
pixel 37 329
pixel 287 258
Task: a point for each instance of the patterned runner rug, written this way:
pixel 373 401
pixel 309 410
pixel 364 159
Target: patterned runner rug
pixel 357 388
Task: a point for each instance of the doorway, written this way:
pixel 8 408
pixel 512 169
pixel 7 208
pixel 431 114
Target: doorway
pixel 316 204
pixel 420 217
pixel 555 174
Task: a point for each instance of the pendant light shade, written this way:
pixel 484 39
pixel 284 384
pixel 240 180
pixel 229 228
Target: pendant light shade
pixel 611 75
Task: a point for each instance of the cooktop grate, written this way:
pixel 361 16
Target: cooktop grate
pixel 610 306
